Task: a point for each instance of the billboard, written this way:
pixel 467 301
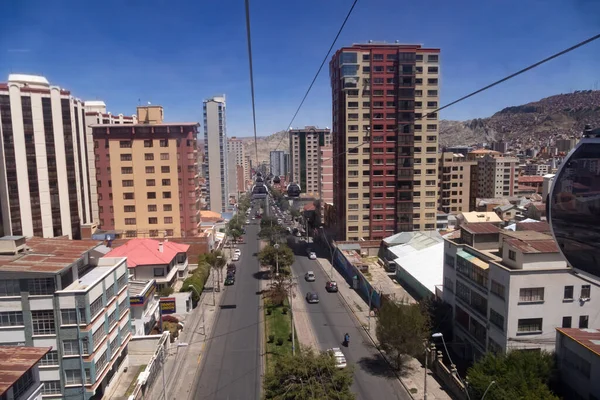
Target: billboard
pixel 141 300
pixel 167 305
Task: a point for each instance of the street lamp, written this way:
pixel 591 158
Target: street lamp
pixel 276 259
pixel 488 388
pixel 441 335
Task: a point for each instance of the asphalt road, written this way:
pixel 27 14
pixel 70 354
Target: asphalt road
pixel 231 363
pixel 331 320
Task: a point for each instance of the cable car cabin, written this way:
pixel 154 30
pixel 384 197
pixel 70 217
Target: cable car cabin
pixel 293 190
pixel 259 192
pixel 276 179
pixel 259 179
pixel 259 174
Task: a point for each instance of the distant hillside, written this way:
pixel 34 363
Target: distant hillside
pixel 265 145
pixel 563 115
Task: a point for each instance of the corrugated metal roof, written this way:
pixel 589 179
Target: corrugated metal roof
pixel 534 246
pixel 16 361
pixel 588 338
pixel 479 228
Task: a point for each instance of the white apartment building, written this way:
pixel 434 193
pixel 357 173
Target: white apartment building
pixel 96 114
pixel 44 176
pixel 540 169
pixel 59 293
pixel 279 161
pixel 498 176
pixel 511 289
pixel 144 306
pixel 215 154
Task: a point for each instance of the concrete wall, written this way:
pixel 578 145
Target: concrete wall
pixel 141 349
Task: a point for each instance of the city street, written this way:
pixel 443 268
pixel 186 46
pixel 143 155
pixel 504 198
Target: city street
pixel 231 365
pixel 331 320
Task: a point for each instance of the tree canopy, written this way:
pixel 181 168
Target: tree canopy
pixel 308 376
pixel 271 256
pixel 402 329
pixel 517 375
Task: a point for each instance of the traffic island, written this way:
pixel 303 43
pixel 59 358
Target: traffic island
pixel 278 333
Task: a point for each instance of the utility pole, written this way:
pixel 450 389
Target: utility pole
pixel 292 315
pixel 276 259
pixel 163 358
pixel 425 381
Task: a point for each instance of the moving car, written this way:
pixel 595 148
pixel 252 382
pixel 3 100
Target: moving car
pixel 238 252
pixel 236 257
pixel 331 286
pixel 247 221
pixel 230 280
pixel 312 297
pixel 340 359
pixel 310 276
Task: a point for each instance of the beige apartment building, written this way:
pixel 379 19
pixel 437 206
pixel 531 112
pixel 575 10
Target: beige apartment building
pixel 305 157
pixel 147 176
pixel 235 146
pixel 458 183
pixel 497 176
pixel 385 138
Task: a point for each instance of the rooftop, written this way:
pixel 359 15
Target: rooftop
pixel 537 226
pixel 147 252
pixel 47 255
pixel 479 228
pixel 138 288
pixel 588 338
pixel 526 235
pixel 145 125
pixel 534 246
pixel 16 361
pixel 531 179
pixel 477 216
pixel 29 79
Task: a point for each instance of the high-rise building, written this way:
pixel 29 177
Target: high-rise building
pixel 44 179
pixel 147 177
pixel 458 183
pixel 236 146
pixel 279 161
pixel 326 190
pixel 305 157
pixel 215 154
pixel 385 139
pixel 498 176
pixel 96 114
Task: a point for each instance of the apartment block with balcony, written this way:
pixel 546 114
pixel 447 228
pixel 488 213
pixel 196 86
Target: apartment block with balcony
pixel 59 293
pixel 236 146
pixel 458 185
pixel 148 259
pixel 497 176
pixel 305 157
pixel 147 177
pixel 385 139
pixel 19 372
pixel 509 290
pixel 215 154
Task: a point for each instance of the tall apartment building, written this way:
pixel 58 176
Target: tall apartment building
pixel 326 189
pixel 147 177
pixel 60 293
pixel 458 185
pixel 385 140
pixel 511 289
pixel 96 114
pixel 305 157
pixel 498 176
pixel 279 161
pixel 215 154
pixel 537 169
pixel 236 146
pixel 44 176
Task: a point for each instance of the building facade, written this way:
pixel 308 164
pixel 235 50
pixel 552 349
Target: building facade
pixel 578 361
pixel 385 139
pixel 305 157
pixel 326 190
pixel 458 183
pixel 236 146
pixel 21 374
pixel 537 169
pixel 147 178
pixel 45 186
pixel 215 154
pixel 498 176
pixel 60 294
pixel 279 161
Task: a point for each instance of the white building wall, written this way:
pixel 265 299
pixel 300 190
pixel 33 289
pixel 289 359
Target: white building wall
pixel 215 143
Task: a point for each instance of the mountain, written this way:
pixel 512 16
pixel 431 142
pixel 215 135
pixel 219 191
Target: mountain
pixel 266 144
pixel 558 116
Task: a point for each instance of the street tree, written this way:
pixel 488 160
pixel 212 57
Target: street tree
pixel 217 261
pixel 243 203
pixel 402 329
pixel 283 256
pixel 308 376
pixel 279 290
pixel 268 221
pixel 274 234
pixel 517 375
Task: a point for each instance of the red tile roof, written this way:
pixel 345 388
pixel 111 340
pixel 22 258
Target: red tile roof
pixel 588 338
pixel 534 246
pixel 531 179
pixel 146 252
pixel 16 361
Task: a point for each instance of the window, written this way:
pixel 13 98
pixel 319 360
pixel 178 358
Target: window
pixel 129 208
pixel 432 58
pixel 122 281
pixel 71 347
pixel 128 196
pixel 125 144
pixel 73 377
pixel 568 293
pixel 9 287
pixel 584 321
pixel 101 363
pixel 151 207
pixel 130 221
pixel 165 169
pixel 530 325
pixel 531 294
pixel 512 255
pixel 51 387
pixel 127 183
pixel 150 182
pixel 43 322
pixel 164 143
pixel 126 157
pixel 148 143
pixel 23 384
pixel 96 306
pixel 164 156
pixel 112 318
pixel 11 318
pixel 497 319
pixel 149 157
pixel 98 336
pixel 159 272
pixel 168 220
pixel 69 316
pixel 149 170
pixel 566 322
pixel 51 358
pixel 153 220
pixel 167 207
pixel 151 195
pixel 166 195
pixel 127 170
pixel 166 182
pixel 585 291
pixel 41 286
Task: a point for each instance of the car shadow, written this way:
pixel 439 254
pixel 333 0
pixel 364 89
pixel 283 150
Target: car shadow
pixel 262 275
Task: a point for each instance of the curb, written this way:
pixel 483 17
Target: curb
pixel 348 306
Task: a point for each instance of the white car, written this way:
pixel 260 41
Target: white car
pixel 236 257
pixel 310 276
pixel 312 255
pixel 340 359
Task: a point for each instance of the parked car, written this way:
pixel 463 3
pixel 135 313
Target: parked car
pixel 230 280
pixel 312 297
pixel 331 286
pixel 310 276
pixel 340 359
pixel 231 268
pixel 238 252
pixel 236 257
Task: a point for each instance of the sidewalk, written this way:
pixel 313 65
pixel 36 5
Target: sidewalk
pixel 415 372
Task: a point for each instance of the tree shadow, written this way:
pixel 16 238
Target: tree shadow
pixel 377 365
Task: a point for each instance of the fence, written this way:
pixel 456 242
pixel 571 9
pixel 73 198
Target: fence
pixel 147 378
pixel 349 271
pixel 448 376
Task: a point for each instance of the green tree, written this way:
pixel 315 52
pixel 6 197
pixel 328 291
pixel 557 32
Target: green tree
pixel 284 256
pixel 279 290
pixel 402 329
pixel 517 375
pixel 217 261
pixel 243 204
pixel 166 291
pixel 266 222
pixel 308 376
pixel 274 234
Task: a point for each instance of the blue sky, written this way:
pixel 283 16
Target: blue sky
pixel 176 53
